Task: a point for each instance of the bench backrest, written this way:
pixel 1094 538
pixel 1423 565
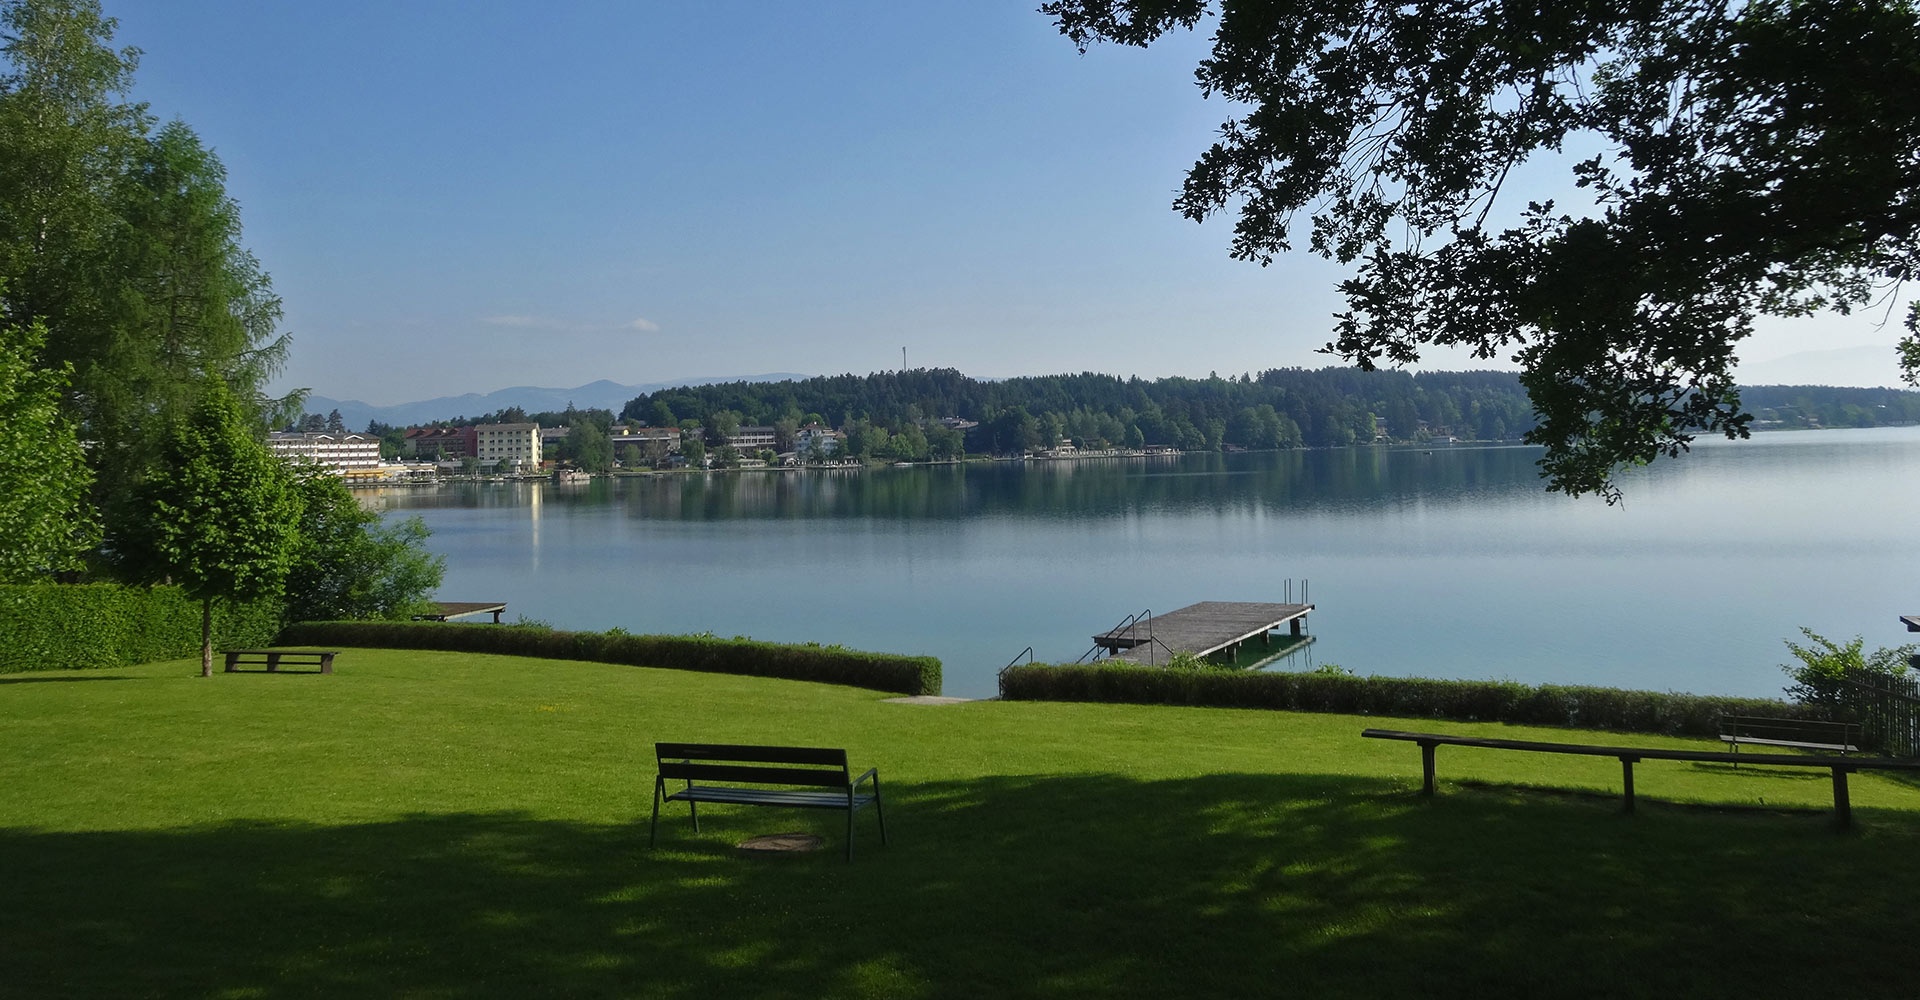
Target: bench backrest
pixel 823 767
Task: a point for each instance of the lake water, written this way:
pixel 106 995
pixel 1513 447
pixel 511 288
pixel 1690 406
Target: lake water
pixel 1443 563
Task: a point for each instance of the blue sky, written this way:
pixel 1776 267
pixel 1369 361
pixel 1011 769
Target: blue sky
pixel 460 197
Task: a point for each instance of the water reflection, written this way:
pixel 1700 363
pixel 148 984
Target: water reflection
pixel 1451 563
pixel 1354 479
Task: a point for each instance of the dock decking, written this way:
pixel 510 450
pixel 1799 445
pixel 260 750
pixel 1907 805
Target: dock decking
pixel 449 610
pixel 1200 629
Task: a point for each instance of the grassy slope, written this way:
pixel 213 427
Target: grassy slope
pixel 445 825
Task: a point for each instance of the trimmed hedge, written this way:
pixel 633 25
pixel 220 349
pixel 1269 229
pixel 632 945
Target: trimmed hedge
pixel 1407 697
pixel 827 664
pixel 53 626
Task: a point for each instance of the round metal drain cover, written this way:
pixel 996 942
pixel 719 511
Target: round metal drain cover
pixel 782 843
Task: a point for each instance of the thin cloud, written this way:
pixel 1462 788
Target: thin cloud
pixel 524 322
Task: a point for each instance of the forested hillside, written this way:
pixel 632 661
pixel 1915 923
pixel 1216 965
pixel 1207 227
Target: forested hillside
pixel 1278 408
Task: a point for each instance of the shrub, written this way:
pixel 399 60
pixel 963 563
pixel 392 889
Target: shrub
pixel 1821 677
pixel 1408 697
pixel 75 626
pixel 826 664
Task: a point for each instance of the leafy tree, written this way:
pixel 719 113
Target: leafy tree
pixel 44 514
pixel 347 565
pixel 696 452
pixel 1757 158
pixel 1820 678
pixel 217 513
pixel 589 447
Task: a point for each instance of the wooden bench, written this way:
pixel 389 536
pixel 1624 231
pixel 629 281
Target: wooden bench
pixel 822 771
pixel 1798 734
pixel 272 659
pixel 1629 756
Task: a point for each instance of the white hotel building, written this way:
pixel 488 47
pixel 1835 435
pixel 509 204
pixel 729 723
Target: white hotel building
pixel 343 453
pixel 519 444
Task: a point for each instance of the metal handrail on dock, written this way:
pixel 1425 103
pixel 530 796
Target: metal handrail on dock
pixel 1125 623
pixel 1027 652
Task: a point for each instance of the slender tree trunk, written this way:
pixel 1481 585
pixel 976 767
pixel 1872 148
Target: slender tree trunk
pixel 206 637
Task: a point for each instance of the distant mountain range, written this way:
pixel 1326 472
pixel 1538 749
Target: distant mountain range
pixel 534 399
pixel 1870 366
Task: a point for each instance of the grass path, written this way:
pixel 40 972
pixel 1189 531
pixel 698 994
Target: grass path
pixel 442 825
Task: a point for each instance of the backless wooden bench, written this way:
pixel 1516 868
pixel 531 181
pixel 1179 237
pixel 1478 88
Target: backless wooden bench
pixel 273 659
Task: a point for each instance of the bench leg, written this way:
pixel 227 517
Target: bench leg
pixel 653 831
pixel 879 809
pixel 849 826
pixel 1426 765
pixel 326 663
pixel 1626 775
pixel 1842 805
pixel 693 808
pixel 273 663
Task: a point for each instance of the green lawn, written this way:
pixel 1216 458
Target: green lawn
pixel 442 825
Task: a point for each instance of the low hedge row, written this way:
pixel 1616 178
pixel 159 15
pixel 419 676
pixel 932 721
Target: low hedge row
pixel 53 626
pixel 827 664
pixel 1406 697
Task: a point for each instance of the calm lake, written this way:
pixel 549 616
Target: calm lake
pixel 1443 563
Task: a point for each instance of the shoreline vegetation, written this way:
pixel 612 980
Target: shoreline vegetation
pixel 941 416
pixel 573 476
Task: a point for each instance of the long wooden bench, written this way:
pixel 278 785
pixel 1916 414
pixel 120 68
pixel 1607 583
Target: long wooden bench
pixel 822 771
pixel 1796 734
pixel 1629 756
pixel 273 659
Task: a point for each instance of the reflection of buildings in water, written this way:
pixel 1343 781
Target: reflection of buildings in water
pixel 535 492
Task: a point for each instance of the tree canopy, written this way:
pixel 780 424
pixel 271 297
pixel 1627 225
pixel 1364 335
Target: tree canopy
pixel 120 238
pixel 44 514
pixel 1748 159
pixel 346 564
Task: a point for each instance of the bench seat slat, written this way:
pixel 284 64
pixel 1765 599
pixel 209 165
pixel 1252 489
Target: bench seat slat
pixel 768 797
pixel 1646 753
pixel 1795 744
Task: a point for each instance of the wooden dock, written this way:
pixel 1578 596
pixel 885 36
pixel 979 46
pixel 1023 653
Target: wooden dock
pixel 1200 630
pixel 449 610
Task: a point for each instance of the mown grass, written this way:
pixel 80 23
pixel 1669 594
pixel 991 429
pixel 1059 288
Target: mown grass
pixel 448 825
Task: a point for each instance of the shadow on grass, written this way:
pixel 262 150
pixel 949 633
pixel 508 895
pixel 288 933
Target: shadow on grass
pixel 32 679
pixel 1047 886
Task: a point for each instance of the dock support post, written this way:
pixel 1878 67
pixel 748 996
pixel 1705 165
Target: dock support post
pixel 1296 626
pixel 1626 773
pixel 1842 805
pixel 1426 765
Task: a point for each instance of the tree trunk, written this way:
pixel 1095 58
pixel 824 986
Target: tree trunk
pixel 206 637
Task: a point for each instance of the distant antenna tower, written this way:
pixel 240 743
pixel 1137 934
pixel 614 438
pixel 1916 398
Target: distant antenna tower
pixel 903 359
